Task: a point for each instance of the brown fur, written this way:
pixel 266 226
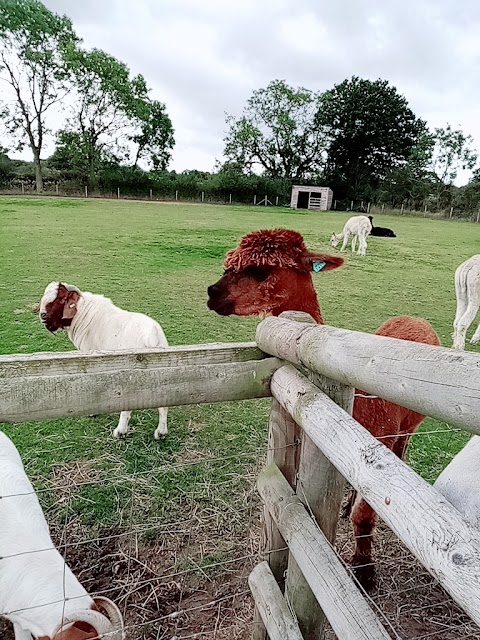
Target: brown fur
pixel 285 283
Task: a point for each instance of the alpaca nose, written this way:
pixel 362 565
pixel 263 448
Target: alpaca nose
pixel 212 290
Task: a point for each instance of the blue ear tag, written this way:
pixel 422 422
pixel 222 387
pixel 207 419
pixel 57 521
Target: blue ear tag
pixel 318 266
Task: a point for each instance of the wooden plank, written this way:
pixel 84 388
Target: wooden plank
pixel 283 447
pixel 348 613
pixel 434 381
pixel 320 487
pixel 422 518
pixel 96 361
pixel 276 616
pixel 45 397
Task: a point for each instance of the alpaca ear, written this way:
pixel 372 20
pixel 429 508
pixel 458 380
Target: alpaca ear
pixel 320 262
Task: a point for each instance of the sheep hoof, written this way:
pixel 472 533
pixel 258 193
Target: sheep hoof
pixel 365 574
pixel 475 340
pixel 159 435
pixel 118 434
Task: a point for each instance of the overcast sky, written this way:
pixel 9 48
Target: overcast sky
pixel 205 57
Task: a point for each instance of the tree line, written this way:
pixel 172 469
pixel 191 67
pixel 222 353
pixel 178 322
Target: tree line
pixel 361 138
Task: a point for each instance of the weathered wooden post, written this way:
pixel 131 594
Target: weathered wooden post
pixel 318 485
pixel 283 440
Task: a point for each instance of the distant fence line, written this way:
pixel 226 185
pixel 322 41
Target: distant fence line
pixel 355 206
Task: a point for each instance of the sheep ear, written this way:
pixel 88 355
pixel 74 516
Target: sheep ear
pixel 70 306
pixel 321 262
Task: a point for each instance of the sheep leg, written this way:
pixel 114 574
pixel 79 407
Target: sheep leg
pixel 363 519
pixel 462 303
pixel 362 249
pixel 345 241
pixel 161 430
pixel 21 634
pixel 354 242
pixel 463 325
pixel 122 427
pixel 476 336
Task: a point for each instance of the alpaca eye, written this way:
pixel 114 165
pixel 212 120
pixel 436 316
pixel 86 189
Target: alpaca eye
pixel 258 273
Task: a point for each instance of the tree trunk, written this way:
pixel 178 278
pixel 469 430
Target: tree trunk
pixel 38 170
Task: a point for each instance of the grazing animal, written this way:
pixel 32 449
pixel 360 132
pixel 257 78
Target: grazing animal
pixel 459 482
pixel 38 592
pixel 467 290
pixel 381 231
pixel 94 323
pixel 355 227
pixel 270 272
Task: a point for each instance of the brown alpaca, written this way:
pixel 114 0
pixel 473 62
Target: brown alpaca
pixel 270 272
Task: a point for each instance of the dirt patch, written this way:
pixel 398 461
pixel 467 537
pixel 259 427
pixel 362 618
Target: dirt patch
pixel 188 580
pixel 156 585
pixel 408 600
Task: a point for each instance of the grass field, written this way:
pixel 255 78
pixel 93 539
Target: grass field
pixel 159 259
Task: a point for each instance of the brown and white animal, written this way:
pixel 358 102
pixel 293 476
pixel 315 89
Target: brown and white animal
pixel 94 323
pixel 271 272
pixel 467 290
pixel 355 227
pixel 38 592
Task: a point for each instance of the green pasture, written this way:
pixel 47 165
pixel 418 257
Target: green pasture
pixel 159 259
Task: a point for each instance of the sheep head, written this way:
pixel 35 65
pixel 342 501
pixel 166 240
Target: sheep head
pixel 58 306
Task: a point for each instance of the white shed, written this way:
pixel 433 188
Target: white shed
pixel 307 197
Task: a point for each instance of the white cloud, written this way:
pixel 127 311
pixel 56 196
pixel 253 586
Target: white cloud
pixel 205 58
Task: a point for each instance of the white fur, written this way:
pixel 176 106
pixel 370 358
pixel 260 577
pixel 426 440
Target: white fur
pixel 467 290
pixel 99 325
pixel 356 227
pixel 37 588
pixel 459 482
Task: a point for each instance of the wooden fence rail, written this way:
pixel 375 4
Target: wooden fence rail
pixel 434 381
pixel 311 413
pixel 421 517
pixel 46 386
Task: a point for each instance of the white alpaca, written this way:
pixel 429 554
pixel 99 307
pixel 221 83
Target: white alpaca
pixel 38 592
pixel 467 290
pixel 355 227
pixel 94 323
pixel 459 482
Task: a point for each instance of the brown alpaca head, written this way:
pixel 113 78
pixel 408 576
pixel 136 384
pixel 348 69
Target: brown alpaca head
pixel 270 272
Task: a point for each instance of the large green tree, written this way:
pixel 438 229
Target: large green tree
pixel 413 181
pixel 153 137
pixel 33 43
pixel 277 133
pixel 452 153
pixel 371 131
pixel 112 112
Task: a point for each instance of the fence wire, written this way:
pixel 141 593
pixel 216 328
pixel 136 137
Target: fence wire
pixel 182 574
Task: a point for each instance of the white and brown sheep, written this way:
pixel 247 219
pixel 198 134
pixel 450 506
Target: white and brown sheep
pixel 357 227
pixel 39 593
pixel 94 323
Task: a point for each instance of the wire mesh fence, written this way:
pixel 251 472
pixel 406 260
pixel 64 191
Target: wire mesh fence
pixel 181 571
